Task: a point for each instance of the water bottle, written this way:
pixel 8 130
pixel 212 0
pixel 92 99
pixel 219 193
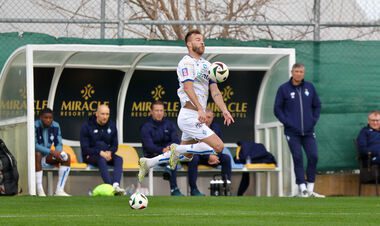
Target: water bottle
pixel 248 160
pixel 227 187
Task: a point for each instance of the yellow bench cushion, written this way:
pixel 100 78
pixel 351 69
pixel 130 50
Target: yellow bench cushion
pixel 260 166
pixel 129 155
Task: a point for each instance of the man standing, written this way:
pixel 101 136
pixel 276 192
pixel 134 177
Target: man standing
pixel 157 134
pixel 99 144
pixel 49 150
pixel 297 106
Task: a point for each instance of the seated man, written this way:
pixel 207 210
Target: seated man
pixel 369 138
pixel 99 143
pixel 210 160
pixel 157 134
pixel 49 150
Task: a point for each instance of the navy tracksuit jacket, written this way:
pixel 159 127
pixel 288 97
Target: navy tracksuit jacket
pixel 369 141
pixel 298 108
pixel 95 138
pixel 155 136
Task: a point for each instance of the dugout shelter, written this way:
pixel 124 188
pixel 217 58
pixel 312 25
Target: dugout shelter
pixel 73 79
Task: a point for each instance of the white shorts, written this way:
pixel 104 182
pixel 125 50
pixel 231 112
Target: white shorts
pixel 191 128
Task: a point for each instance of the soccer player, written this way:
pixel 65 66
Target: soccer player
pixel 297 106
pixel 48 150
pixel 194 87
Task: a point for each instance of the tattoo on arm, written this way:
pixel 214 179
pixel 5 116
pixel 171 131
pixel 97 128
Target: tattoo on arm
pixel 218 94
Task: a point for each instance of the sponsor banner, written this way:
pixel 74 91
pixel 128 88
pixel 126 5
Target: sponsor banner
pixel 13 101
pixel 239 93
pixel 78 95
pixel 146 87
pixel 13 94
pixel 80 91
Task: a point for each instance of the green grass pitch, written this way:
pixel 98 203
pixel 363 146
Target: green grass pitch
pixel 26 210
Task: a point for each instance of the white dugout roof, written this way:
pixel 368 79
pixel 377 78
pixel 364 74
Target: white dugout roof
pixel 276 62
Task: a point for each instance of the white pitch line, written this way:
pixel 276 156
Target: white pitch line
pixel 233 214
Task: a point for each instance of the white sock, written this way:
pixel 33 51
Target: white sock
pixel 39 179
pixel 200 148
pixel 310 187
pixel 63 173
pixel 302 187
pixel 163 158
pixel 114 185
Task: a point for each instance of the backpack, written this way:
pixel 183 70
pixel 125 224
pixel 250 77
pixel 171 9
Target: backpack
pixel 8 171
pixel 255 151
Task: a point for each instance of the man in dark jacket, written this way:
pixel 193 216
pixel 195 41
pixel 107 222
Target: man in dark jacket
pixel 157 134
pixel 99 143
pixel 297 106
pixel 369 137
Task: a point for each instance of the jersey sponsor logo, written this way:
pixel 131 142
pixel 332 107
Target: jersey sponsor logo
pixel 185 72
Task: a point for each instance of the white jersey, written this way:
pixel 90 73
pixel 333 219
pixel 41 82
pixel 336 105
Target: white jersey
pixel 191 69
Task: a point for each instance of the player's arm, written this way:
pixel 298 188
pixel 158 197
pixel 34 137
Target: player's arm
pixel 218 99
pixel 189 90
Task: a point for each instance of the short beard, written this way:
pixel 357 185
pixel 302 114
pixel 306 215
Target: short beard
pixel 198 50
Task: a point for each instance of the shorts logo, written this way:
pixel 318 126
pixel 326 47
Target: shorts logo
pixel 185 72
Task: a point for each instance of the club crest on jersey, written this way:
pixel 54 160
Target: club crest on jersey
pixel 185 72
pixel 198 125
pixel 307 92
pixel 292 95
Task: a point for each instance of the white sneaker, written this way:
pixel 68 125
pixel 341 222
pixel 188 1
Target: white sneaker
pixel 119 190
pixel 61 193
pixel 303 194
pixel 174 156
pixel 41 192
pixel 315 195
pixel 143 169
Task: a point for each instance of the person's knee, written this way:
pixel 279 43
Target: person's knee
pixel 102 162
pixel 195 161
pixel 225 159
pixel 67 162
pixel 117 159
pixel 313 159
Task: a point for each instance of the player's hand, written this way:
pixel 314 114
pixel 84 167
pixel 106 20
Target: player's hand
pixel 201 116
pixel 56 154
pixel 166 149
pixel 228 119
pixel 213 160
pixel 105 155
pixel 109 155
